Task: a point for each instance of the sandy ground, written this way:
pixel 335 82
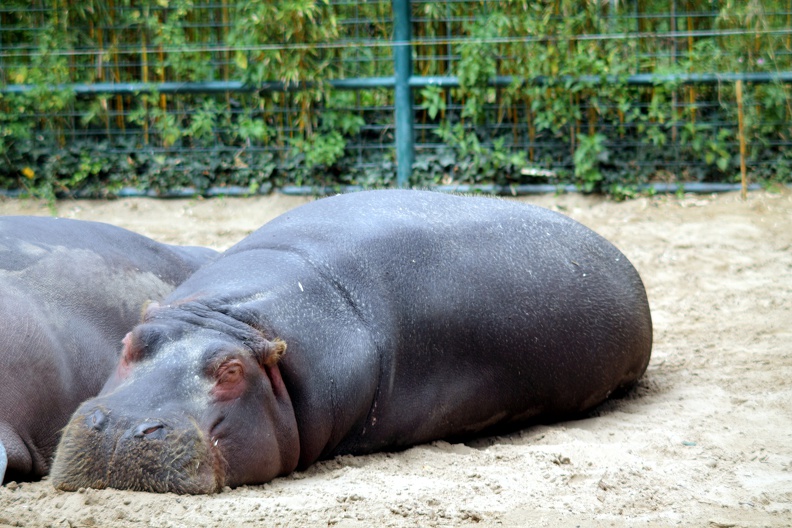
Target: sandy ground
pixel 705 440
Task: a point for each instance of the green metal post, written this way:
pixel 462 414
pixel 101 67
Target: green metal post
pixel 402 63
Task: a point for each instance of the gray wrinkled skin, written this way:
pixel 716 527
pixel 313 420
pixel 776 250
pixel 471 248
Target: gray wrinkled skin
pixel 69 291
pixel 408 316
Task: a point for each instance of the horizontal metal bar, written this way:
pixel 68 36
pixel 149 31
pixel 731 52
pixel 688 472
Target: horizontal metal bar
pixel 525 189
pixel 545 188
pixel 294 190
pixel 641 79
pixel 361 83
pixel 202 87
pixel 135 88
pixel 32 50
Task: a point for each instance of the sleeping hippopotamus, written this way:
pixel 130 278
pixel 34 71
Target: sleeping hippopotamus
pixel 357 323
pixel 69 292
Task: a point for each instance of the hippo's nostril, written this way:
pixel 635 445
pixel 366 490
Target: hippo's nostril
pixel 150 430
pixel 96 420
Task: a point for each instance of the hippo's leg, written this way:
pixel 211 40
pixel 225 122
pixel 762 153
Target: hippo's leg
pixel 3 462
pixel 14 454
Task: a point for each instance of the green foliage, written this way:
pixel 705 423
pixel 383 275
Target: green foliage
pixel 589 154
pixel 320 149
pixel 478 65
pixel 470 158
pixel 569 116
pixel 583 100
pixel 252 129
pixel 433 101
pixel 703 143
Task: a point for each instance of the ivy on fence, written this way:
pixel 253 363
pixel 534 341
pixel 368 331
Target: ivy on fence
pixel 582 122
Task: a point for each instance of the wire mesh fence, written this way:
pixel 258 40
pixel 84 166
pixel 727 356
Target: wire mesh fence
pixel 604 94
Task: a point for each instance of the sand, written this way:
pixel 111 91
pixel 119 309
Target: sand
pixel 704 440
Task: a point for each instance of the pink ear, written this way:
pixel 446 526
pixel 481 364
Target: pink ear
pixel 127 342
pixel 127 357
pixel 133 349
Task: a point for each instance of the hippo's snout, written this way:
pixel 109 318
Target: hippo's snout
pixel 102 448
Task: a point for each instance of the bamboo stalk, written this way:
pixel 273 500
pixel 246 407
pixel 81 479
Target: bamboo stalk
pixel 116 70
pixel 226 54
pixel 573 129
pixel 144 74
pixel 423 128
pixel 674 101
pixel 789 24
pixel 72 122
pixel 691 88
pixel 72 65
pixel 639 25
pixel 100 70
pixel 531 128
pixel 692 103
pixel 98 35
pixel 279 138
pixel 163 100
pixel 55 122
pixel 287 101
pixel 449 33
pixel 514 118
pixel 741 129
pixel 263 110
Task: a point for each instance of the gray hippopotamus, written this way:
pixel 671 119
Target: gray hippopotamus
pixel 69 292
pixel 357 323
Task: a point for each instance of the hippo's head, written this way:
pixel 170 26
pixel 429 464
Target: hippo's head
pixel 197 403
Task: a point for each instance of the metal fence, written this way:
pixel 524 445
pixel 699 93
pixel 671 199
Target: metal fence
pixel 592 92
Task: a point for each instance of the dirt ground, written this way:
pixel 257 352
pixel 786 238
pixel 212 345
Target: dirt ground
pixel 705 440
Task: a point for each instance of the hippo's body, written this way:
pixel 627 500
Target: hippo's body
pixel 69 291
pixel 405 316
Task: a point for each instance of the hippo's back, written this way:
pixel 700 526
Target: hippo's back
pixel 482 311
pixel 27 240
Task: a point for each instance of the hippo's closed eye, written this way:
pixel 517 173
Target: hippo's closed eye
pixel 229 380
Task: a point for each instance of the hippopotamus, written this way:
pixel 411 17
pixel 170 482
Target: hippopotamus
pixel 69 292
pixel 360 323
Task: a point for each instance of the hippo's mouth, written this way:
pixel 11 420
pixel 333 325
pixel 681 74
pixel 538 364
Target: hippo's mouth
pixel 218 462
pixel 162 457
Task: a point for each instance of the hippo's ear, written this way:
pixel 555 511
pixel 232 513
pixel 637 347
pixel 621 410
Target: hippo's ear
pixel 132 352
pixel 269 352
pixel 133 347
